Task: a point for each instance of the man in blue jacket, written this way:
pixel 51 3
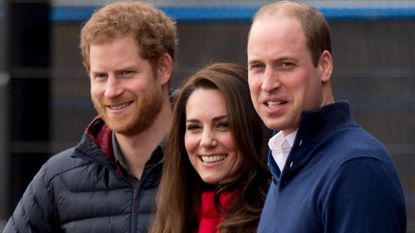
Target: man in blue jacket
pixel 108 182
pixel 329 175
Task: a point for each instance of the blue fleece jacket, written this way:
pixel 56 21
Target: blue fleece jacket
pixel 337 179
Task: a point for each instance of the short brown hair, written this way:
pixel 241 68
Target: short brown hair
pixel 153 31
pixel 315 26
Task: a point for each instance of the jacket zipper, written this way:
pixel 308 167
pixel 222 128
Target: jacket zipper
pixel 134 210
pixel 137 189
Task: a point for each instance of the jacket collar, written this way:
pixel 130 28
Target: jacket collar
pixel 97 145
pixel 318 124
pixel 314 127
pixel 100 134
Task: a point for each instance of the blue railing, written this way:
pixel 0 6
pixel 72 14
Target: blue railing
pixel 236 14
pixel 240 14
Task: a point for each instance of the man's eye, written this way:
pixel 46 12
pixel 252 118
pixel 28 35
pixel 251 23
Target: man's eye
pixel 287 65
pixel 100 76
pixel 257 67
pixel 126 73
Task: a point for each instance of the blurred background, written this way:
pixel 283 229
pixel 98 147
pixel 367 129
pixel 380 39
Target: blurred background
pixel 44 90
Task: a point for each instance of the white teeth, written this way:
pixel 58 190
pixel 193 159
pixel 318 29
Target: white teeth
pixel 273 103
pixel 212 159
pixel 117 107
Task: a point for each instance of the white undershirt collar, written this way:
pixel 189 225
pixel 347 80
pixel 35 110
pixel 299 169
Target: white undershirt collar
pixel 280 147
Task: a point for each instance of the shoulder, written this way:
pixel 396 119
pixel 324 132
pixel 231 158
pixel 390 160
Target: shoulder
pixel 357 159
pixel 354 143
pixel 36 206
pixel 366 186
pixel 64 161
pixel 353 154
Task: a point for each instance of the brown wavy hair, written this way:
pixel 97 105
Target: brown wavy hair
pixel 154 32
pixel 180 190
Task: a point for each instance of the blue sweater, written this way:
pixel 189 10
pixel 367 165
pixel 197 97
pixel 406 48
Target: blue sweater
pixel 337 179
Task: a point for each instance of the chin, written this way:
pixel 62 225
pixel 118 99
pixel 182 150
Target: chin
pixel 276 123
pixel 210 181
pixel 271 125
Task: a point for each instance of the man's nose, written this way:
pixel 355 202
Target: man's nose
pixel 113 87
pixel 270 80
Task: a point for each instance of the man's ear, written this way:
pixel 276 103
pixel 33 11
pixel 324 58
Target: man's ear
pixel 164 68
pixel 325 66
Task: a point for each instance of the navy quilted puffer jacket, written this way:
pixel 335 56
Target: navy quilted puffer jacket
pixel 82 190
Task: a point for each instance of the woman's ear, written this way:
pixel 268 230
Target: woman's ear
pixel 325 66
pixel 164 68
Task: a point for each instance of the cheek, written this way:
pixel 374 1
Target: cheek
pixel 94 97
pixel 95 91
pixel 229 143
pixel 254 93
pixel 191 146
pixel 253 85
pixel 238 160
pixel 190 143
pixel 308 93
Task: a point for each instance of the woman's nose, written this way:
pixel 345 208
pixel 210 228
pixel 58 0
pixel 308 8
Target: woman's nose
pixel 208 139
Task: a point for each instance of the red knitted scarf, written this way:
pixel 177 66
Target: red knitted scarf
pixel 210 217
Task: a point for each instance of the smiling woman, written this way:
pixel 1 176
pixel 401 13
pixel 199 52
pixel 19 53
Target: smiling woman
pixel 208 139
pixel 214 178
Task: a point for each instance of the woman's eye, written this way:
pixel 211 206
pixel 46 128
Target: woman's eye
pixel 223 125
pixel 192 127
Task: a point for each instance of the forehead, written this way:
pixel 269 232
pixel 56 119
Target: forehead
pixel 126 42
pixel 276 34
pixel 277 27
pixel 206 102
pixel 115 52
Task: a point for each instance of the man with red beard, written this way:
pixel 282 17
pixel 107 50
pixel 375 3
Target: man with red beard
pixel 108 182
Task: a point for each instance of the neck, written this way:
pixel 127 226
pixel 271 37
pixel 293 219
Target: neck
pixel 138 149
pixel 327 95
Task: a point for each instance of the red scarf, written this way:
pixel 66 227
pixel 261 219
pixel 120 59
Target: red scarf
pixel 210 217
